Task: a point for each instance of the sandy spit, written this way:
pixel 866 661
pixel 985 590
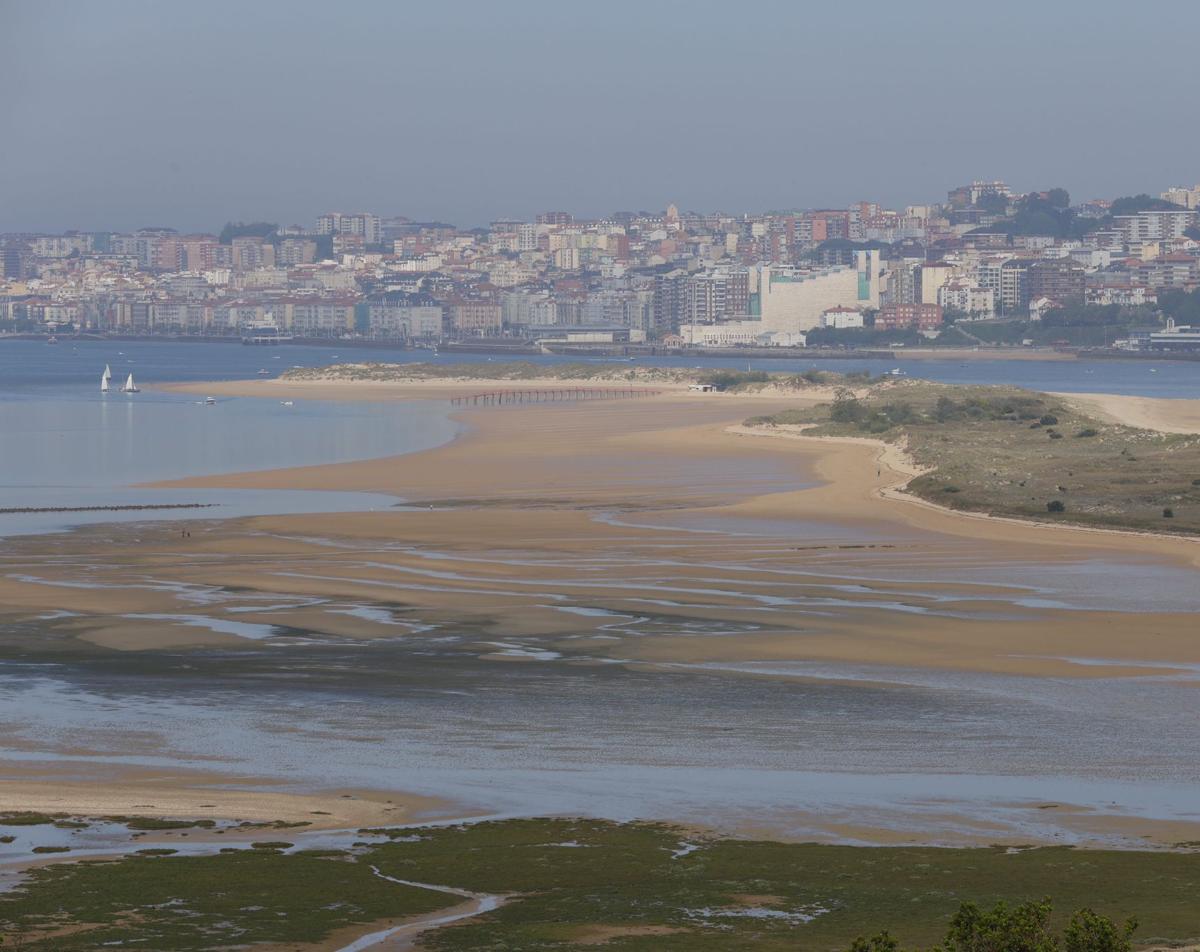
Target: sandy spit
pixel 1147 413
pixel 173 796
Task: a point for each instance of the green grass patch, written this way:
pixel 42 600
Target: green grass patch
pixel 29 818
pixel 572 879
pixel 1002 450
pixel 160 823
pixel 171 903
pixel 517 371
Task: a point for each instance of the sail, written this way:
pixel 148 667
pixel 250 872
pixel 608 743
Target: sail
pixel 129 384
pixel 107 372
pixel 104 383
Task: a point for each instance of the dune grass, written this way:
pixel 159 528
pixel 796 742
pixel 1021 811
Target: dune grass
pixel 1013 452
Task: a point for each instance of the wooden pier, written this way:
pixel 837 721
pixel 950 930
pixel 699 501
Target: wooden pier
pixel 551 395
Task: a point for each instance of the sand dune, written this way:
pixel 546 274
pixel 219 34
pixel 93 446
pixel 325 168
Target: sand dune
pixel 1148 413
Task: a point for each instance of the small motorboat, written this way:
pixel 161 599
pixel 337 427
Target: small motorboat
pixel 51 339
pixel 286 403
pixel 210 401
pixel 895 372
pixel 263 372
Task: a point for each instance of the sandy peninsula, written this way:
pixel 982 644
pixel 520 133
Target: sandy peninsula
pixel 544 527
pixel 510 510
pixel 548 469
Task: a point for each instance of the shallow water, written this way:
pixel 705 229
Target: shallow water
pixel 537 732
pixel 25 364
pixel 931 757
pixel 81 449
pixel 506 724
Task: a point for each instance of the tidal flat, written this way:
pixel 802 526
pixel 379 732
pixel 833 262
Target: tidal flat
pixel 733 655
pixel 638 615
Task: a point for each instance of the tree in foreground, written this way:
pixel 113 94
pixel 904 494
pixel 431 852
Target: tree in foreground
pixel 1023 928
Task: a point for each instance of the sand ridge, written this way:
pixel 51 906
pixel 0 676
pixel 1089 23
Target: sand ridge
pixel 520 495
pixel 586 532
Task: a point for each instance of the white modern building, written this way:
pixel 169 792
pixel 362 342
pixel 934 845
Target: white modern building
pixel 841 317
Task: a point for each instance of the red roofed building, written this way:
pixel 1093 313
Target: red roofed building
pixel 921 317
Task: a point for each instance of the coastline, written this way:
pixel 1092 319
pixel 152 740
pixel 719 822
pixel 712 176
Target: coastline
pixel 472 506
pixel 893 457
pixel 199 795
pixel 1147 413
pixel 494 550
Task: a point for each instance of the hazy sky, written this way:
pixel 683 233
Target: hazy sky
pixel 125 113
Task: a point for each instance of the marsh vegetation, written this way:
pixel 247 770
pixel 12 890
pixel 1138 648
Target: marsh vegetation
pixel 1012 452
pixel 571 882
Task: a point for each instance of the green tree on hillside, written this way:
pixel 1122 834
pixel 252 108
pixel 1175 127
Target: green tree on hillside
pixel 1059 198
pixel 1023 928
pixel 241 229
pixel 1132 204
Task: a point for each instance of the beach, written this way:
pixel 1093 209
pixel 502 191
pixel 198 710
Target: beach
pixel 656 537
pixel 1166 416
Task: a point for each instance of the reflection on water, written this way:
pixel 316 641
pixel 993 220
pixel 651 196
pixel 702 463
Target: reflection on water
pixel 506 723
pixel 217 503
pixel 546 734
pixel 86 450
pixel 26 364
pixel 105 441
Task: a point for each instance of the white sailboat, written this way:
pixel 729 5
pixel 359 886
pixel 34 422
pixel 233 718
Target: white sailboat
pixel 104 379
pixel 130 386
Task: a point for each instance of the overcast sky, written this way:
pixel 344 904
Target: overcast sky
pixel 126 113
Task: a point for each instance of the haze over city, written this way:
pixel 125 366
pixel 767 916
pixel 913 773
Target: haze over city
pixel 638 477
pixel 123 114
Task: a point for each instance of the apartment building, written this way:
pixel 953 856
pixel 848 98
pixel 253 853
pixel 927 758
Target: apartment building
pixel 921 317
pixel 399 314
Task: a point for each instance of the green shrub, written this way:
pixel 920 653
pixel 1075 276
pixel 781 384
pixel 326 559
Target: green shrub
pixel 727 379
pixel 1087 431
pixel 899 413
pixel 1049 419
pixel 847 408
pixel 1023 928
pixel 1056 505
pixel 1168 513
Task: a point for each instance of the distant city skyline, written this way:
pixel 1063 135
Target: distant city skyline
pixel 130 113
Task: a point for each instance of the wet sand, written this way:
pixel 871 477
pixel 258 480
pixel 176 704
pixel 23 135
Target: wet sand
pixel 198 796
pixel 517 498
pixel 649 533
